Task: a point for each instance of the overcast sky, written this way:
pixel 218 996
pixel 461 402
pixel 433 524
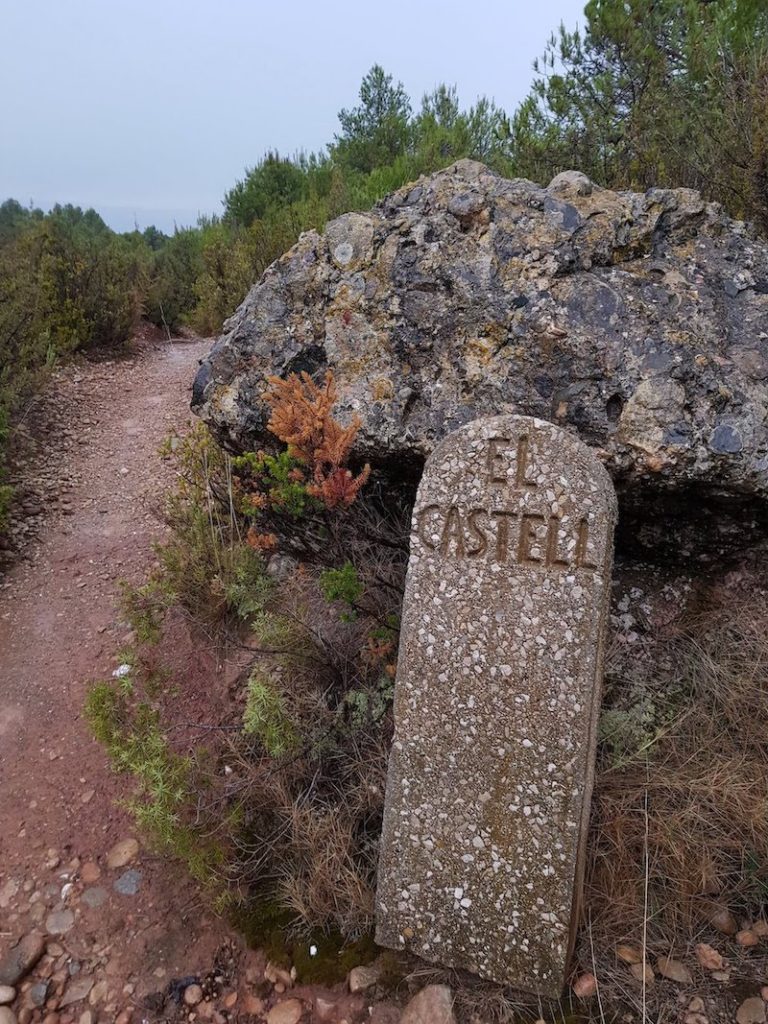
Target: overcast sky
pixel 149 110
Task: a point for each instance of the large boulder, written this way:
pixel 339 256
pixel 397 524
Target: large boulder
pixel 638 321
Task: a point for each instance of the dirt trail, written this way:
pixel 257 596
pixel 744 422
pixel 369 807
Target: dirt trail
pixel 59 629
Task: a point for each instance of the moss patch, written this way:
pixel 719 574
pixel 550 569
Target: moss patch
pixel 271 927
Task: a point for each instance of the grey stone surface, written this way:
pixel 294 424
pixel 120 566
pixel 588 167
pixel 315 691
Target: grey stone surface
pixel 94 896
pixel 496 700
pixel 128 883
pixel 638 321
pixel 38 993
pixel 21 958
pixel 59 922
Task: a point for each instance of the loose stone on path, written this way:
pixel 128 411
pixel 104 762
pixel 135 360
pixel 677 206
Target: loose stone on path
pixel 20 959
pixel 496 702
pixel 59 922
pixel 128 883
pixel 94 897
pixel 122 853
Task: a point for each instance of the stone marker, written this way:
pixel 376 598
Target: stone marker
pixel 496 702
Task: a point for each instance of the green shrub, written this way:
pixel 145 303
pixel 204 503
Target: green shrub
pixel 303 731
pixel 175 267
pixel 164 794
pixel 341 584
pixel 207 565
pixel 265 718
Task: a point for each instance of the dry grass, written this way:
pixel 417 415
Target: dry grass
pixel 702 774
pixel 680 823
pixel 310 818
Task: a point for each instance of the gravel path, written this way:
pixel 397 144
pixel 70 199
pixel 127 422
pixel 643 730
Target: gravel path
pixel 112 934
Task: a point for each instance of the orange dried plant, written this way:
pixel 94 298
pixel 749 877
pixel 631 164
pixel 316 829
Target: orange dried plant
pixel 266 542
pixel 301 417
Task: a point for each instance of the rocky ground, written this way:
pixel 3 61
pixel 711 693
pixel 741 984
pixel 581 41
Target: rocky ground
pixel 93 926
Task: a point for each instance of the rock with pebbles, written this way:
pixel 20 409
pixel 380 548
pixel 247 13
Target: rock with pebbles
pixel 638 321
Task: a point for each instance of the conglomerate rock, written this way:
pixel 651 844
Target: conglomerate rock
pixel 638 321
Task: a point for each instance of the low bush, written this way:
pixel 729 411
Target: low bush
pixel 293 563
pixel 129 727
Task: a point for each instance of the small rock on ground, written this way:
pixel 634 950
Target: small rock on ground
pixel 585 986
pixel 94 897
pixel 433 1005
pixel 325 1010
pixel 122 853
pixel 90 873
pixel 76 991
pixel 674 970
pixel 384 1013
pixel 751 1011
pixel 38 993
pixel 193 994
pixel 59 922
pixel 361 978
pixel 20 960
pixel 642 973
pixel 128 883
pixel 288 1012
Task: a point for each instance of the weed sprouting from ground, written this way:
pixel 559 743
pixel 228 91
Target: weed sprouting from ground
pixel 265 718
pixel 136 744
